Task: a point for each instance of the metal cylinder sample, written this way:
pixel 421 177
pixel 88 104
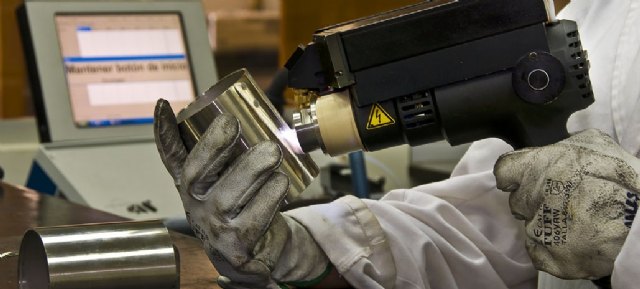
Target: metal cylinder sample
pixel 123 255
pixel 239 95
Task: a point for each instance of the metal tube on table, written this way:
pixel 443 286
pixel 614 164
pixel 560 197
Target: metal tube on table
pixel 99 256
pixel 239 95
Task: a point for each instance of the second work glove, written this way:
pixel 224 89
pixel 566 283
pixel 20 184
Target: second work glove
pixel 578 199
pixel 232 203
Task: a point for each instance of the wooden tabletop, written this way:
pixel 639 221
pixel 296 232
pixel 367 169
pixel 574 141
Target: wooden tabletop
pixel 21 209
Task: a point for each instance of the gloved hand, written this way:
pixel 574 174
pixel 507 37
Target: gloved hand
pixel 232 204
pixel 578 199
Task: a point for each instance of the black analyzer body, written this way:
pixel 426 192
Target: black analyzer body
pixel 456 70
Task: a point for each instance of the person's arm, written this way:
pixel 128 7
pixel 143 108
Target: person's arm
pixel 415 239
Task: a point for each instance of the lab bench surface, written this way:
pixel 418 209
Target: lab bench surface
pixel 21 209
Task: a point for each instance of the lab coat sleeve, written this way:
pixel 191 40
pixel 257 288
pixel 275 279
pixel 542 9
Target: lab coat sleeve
pixel 458 233
pixel 481 156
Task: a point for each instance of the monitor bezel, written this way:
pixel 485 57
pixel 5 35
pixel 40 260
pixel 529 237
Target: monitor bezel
pixel 55 98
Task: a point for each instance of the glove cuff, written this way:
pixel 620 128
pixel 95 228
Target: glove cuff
pixel 302 261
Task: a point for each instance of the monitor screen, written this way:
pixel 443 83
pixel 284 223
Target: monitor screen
pixel 117 66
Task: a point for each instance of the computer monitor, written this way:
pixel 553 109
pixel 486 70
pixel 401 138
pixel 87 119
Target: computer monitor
pixel 118 65
pixel 98 67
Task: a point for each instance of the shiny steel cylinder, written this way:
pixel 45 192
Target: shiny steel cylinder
pixel 239 95
pixel 99 256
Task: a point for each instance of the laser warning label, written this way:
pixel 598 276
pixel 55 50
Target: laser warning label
pixel 379 118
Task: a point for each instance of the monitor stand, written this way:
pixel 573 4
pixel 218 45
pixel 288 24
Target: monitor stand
pixel 126 179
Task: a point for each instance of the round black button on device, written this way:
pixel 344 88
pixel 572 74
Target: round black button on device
pixel 539 78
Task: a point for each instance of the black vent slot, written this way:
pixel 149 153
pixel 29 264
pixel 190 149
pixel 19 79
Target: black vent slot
pixel 417 110
pixel 579 68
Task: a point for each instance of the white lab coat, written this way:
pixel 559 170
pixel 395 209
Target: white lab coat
pixel 459 233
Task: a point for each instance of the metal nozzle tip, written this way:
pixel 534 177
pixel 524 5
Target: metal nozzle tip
pixel 308 137
pixel 307 129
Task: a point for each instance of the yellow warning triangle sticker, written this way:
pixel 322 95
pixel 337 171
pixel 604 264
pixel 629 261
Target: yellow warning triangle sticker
pixel 379 117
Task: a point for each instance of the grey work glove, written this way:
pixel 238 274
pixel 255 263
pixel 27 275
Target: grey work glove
pixel 578 199
pixel 232 204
